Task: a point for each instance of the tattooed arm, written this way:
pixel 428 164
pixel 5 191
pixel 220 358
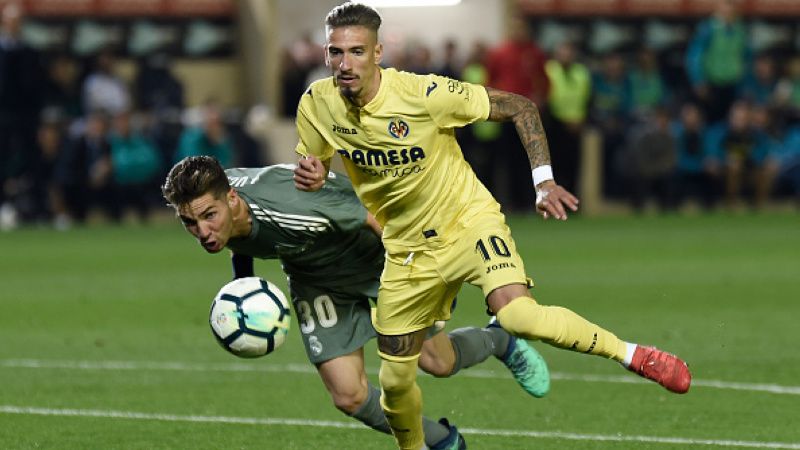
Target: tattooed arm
pixel 550 197
pixel 525 115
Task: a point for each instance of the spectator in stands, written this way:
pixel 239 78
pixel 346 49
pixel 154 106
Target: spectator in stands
pixel 647 86
pixel 698 174
pixel 567 110
pixel 135 163
pixel 648 162
pixel 479 139
pixel 298 61
pixel 418 58
pixel 157 90
pixel 21 78
pixel 62 88
pixel 788 159
pixel 450 66
pixel 317 68
pixel 760 86
pixel 209 138
pixel 82 173
pixel 718 58
pixel 788 93
pixel 104 90
pixel 32 196
pixel 50 139
pixel 744 152
pixel 516 65
pixel 611 111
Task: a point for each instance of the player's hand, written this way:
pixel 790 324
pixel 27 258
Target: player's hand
pixel 553 200
pixel 309 174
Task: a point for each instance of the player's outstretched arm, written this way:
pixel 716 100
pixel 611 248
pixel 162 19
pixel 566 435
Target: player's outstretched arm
pixel 551 199
pixel 242 266
pixel 311 173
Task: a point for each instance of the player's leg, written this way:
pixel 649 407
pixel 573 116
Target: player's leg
pixel 552 324
pixel 443 355
pixel 438 355
pixel 336 349
pixel 520 315
pixel 412 293
pixel 346 381
pixel 401 397
pixel 500 273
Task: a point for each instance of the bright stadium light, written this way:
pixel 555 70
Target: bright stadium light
pixel 409 3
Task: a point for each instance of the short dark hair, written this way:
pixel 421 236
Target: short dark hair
pixel 193 177
pixel 353 14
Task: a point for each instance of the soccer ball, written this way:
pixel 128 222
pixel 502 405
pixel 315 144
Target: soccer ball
pixel 250 317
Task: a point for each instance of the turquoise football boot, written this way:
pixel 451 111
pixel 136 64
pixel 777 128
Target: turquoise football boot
pixel 526 364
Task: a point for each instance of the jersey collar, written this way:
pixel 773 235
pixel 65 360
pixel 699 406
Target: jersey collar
pixel 377 101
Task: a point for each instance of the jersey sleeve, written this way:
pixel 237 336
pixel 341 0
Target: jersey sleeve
pixel 452 103
pixel 311 142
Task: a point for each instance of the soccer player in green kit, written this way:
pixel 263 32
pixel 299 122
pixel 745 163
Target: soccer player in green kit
pixel 395 134
pixel 330 249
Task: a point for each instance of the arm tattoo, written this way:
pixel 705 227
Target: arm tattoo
pixel 525 115
pixel 397 345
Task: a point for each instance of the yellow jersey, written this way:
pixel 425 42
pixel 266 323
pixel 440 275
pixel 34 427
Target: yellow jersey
pixel 401 153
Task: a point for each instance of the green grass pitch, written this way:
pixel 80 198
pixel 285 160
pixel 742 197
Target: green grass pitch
pixel 104 344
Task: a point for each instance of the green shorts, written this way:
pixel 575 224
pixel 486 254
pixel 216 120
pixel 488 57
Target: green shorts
pixel 333 322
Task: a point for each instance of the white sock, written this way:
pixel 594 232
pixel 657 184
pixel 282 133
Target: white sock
pixel 629 350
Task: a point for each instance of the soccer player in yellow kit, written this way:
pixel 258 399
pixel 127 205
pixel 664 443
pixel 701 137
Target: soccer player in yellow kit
pixel 394 132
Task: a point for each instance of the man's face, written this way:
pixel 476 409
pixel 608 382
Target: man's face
pixel 11 21
pixel 353 54
pixel 209 219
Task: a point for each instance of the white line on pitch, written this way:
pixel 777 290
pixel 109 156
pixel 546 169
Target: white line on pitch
pixel 307 368
pixel 9 409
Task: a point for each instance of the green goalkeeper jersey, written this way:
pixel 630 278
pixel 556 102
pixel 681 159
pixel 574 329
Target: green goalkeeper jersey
pixel 320 237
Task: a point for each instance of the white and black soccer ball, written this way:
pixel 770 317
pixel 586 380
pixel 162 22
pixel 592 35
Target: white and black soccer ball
pixel 250 317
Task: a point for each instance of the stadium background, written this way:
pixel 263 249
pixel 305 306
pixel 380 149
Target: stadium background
pixel 103 327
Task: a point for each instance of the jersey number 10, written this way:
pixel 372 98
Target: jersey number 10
pixel 498 246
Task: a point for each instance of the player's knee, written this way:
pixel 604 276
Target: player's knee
pixel 434 364
pixel 349 400
pixel 397 374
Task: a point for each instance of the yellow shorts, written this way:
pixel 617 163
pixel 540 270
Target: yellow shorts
pixel 418 288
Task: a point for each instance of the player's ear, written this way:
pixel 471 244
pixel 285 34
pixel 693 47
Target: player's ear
pixel 232 197
pixel 378 53
pixel 327 55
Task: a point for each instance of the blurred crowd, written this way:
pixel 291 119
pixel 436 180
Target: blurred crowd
pixel 76 138
pixel 722 131
pixel 719 129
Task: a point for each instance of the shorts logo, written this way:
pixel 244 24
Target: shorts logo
pixel 505 265
pixel 315 345
pixel 398 128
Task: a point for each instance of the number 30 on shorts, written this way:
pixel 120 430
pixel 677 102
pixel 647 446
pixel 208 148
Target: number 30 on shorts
pixel 497 245
pixel 323 311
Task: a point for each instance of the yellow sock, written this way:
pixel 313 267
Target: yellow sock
pixel 401 399
pixel 560 327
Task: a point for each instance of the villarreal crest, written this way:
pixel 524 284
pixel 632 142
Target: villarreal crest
pixel 398 128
